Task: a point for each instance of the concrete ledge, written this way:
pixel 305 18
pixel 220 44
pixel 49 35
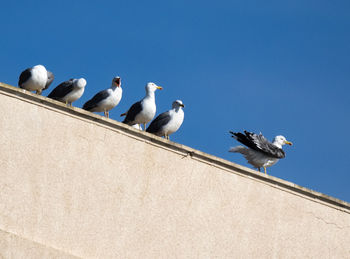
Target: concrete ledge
pixel 182 149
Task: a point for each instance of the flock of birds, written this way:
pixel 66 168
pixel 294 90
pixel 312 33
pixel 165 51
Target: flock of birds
pixel 140 113
pixel 258 151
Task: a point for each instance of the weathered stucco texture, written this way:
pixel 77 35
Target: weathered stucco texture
pixel 12 246
pixel 93 188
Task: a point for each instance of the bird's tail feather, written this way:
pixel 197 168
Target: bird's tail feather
pixel 238 149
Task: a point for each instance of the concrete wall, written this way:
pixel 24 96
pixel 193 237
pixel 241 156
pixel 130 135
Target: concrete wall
pixel 13 246
pixel 77 184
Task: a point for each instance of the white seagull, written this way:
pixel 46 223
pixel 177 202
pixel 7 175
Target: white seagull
pixel 107 99
pixel 259 151
pixel 35 79
pixel 69 91
pixel 168 122
pixel 143 111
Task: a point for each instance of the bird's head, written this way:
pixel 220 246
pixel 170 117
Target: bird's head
pixel 151 87
pixel 116 81
pixel 281 140
pixel 80 83
pixel 50 75
pixel 177 104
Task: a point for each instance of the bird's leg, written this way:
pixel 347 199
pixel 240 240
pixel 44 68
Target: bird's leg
pixel 107 114
pixel 144 126
pixel 265 170
pixel 259 169
pixel 38 92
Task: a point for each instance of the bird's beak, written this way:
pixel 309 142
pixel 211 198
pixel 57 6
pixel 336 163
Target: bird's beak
pixel 288 143
pixel 182 105
pixel 117 83
pixel 159 87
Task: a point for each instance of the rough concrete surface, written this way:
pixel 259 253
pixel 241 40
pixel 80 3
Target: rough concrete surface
pixel 91 187
pixel 12 246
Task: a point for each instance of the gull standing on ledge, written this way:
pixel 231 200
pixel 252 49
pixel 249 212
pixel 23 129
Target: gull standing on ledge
pixel 259 152
pixel 35 79
pixel 69 91
pixel 143 111
pixel 107 99
pixel 168 122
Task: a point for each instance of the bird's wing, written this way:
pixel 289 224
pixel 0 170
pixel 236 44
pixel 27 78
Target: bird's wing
pixel 258 143
pixel 50 78
pixel 62 90
pixel 244 140
pixel 94 101
pixel 157 124
pixel 24 76
pixel 265 146
pixel 131 114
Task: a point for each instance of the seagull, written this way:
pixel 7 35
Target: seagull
pixel 259 151
pixel 143 111
pixel 35 79
pixel 168 122
pixel 106 100
pixel 69 91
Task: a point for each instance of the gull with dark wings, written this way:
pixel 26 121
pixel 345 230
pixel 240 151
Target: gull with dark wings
pixel 144 110
pixel 106 100
pixel 36 79
pixel 259 151
pixel 69 91
pixel 168 122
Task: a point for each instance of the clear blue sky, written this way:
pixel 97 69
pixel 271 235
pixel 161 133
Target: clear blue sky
pixel 279 67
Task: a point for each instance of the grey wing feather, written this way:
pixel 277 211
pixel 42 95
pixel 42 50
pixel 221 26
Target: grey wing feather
pixel 135 109
pixel 62 90
pixel 245 139
pixel 157 124
pixel 94 101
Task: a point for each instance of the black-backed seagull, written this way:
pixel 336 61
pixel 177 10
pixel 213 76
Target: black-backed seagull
pixel 143 111
pixel 69 91
pixel 259 151
pixel 168 122
pixel 35 79
pixel 107 99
